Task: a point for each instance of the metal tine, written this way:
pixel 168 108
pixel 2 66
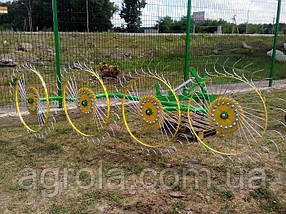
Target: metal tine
pixel 239 160
pixel 116 89
pixel 130 75
pixel 221 157
pixel 117 115
pixel 181 143
pixel 279 133
pixel 233 67
pixel 175 149
pixel 149 72
pixel 206 70
pixel 168 151
pixel 281 122
pixel 86 66
pixel 216 69
pixel 113 133
pixel 252 76
pixel 259 156
pixel 98 140
pixel 247 65
pixel 276 146
pixel 228 157
pixel 120 82
pixel 143 72
pixel 278 98
pixel 147 150
pixel 154 151
pixel 214 154
pixel 185 136
pixel 136 72
pixel 108 133
pixel 203 146
pixel 160 151
pixel 248 156
pixel 149 65
pixel 157 65
pixel 223 67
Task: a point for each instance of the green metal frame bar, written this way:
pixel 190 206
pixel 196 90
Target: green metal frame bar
pixel 275 43
pixel 188 37
pixel 57 49
pixel 168 106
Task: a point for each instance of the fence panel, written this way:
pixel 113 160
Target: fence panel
pixel 233 30
pixel 95 32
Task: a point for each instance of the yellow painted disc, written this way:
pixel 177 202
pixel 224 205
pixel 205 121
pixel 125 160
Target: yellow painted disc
pixel 151 112
pixel 33 100
pixel 225 115
pixel 86 102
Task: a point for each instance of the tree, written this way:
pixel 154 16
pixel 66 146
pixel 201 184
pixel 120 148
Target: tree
pixel 131 12
pixel 71 15
pixel 165 24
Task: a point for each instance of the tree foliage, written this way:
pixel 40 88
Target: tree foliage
pixel 131 13
pixel 168 25
pixel 71 14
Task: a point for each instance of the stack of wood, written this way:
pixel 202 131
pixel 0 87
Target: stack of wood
pixel 201 126
pixel 109 71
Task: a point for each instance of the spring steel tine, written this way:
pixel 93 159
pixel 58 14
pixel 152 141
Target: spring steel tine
pixel 276 146
pixel 181 143
pixel 253 74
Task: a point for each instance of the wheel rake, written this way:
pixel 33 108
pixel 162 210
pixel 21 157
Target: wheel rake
pixel 221 102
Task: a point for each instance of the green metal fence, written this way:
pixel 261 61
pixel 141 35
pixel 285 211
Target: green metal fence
pixel 82 34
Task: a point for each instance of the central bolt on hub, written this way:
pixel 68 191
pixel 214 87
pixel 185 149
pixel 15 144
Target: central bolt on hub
pixel 224 116
pixel 149 111
pixel 84 103
pixel 30 101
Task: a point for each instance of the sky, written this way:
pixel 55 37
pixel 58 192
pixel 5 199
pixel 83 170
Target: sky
pixel 254 11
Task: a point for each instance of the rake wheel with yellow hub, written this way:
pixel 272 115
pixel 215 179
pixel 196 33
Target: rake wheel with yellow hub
pixel 146 116
pixel 86 103
pixel 237 112
pixel 32 100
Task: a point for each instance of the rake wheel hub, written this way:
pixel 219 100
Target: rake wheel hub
pixel 225 114
pixel 33 99
pixel 87 102
pixel 151 112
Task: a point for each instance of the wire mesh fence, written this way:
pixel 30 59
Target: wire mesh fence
pixel 102 32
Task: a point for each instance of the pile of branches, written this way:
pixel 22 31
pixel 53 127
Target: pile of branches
pixel 107 71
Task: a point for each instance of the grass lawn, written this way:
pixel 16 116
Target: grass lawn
pixel 64 189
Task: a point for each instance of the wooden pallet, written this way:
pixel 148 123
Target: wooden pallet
pixel 200 124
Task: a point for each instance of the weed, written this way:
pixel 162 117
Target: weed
pixel 57 209
pixel 227 195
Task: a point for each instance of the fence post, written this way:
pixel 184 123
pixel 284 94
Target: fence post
pixel 188 37
pixel 275 44
pixel 57 49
